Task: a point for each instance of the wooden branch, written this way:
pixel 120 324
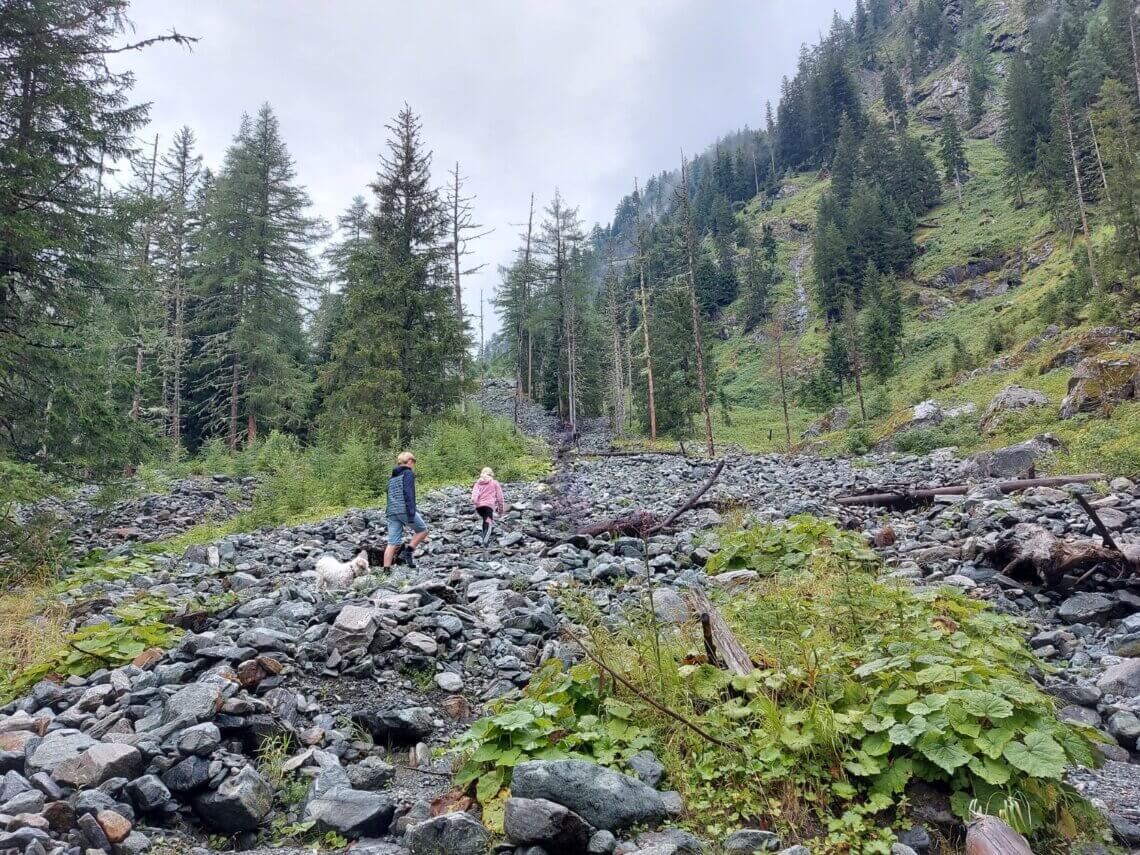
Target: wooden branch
pixel 725 646
pixel 643 523
pixel 1100 526
pixel 1030 550
pixel 657 705
pixel 913 498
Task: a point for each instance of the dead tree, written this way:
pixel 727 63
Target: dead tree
pixel 144 284
pixel 617 370
pixel 690 252
pixel 462 225
pixel 1099 162
pixel 777 336
pixel 639 245
pixel 522 316
pixel 1067 116
pixel 988 835
pixel 721 644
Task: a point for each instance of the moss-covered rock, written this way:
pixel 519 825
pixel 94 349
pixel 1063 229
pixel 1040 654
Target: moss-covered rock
pixel 1101 381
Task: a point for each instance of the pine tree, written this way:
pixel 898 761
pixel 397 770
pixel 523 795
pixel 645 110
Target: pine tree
pixel 690 250
pixel 176 243
pixel 837 359
pixel 882 323
pixel 256 269
pixel 952 152
pixel 1120 135
pixel 893 99
pixel 397 354
pixel 63 114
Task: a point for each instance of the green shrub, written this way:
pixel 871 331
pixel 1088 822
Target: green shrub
pixel 960 431
pixel 859 441
pixel 861 686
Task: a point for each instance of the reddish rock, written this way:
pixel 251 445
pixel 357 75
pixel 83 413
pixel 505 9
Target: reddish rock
pixel 114 825
pixel 15 741
pixel 457 707
pixel 453 801
pixel 884 537
pixel 147 659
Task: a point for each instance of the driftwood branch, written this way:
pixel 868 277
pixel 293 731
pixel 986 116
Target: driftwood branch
pixel 1029 550
pixel 1101 528
pixel 914 498
pixel 642 523
pixel 657 705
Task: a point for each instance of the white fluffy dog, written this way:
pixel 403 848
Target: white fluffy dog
pixel 334 574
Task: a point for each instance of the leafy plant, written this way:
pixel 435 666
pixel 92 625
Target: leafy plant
pixel 562 715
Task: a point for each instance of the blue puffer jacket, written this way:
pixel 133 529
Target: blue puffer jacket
pixel 402 494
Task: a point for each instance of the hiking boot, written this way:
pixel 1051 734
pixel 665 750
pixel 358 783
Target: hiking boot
pixel 486 537
pixel 409 558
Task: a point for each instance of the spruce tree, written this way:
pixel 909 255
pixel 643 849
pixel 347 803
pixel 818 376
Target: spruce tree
pixel 63 115
pixel 893 99
pixel 397 354
pixel 256 268
pixel 882 323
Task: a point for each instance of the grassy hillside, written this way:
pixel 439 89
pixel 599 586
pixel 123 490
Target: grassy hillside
pixel 994 329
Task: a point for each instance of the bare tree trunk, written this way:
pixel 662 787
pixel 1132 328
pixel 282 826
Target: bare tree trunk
pixel 1135 52
pixel 522 312
pixel 458 287
pixel 617 372
pixel 1099 162
pixel 640 245
pixel 144 268
pixel 856 359
pixel 251 415
pixel 1080 195
pixel 777 336
pixel 233 405
pixel 691 247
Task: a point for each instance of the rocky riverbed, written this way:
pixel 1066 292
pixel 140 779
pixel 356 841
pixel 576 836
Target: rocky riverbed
pixel 370 685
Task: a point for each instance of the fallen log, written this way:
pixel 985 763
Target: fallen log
pixel 913 498
pixel 721 645
pixel 1029 551
pixel 988 835
pixel 643 523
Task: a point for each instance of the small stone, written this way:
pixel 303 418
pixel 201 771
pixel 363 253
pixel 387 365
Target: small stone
pixel 449 681
pixel 1121 679
pixel 749 840
pixel 646 766
pixel 1125 728
pixel 114 825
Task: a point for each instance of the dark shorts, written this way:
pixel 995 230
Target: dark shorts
pixel 484 512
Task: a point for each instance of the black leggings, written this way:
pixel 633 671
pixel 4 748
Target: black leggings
pixel 486 514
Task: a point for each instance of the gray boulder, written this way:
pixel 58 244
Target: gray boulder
pixel 450 834
pixel 100 762
pixel 1125 728
pixel 1010 399
pixel 552 826
pixel 353 813
pixel 1087 608
pixel 647 768
pixel 239 804
pixel 1122 679
pixel 604 798
pixel 57 747
pixel 1013 460
pixel 353 630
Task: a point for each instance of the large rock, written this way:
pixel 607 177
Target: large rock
pixel 1013 460
pixel 552 826
pixel 1121 679
pixel 239 804
pixel 749 840
pixel 1101 381
pixel 353 813
pixel 353 630
pixel 100 763
pixel 396 727
pixel 1087 607
pixel 56 748
pixel 604 798
pixel 1089 342
pixel 834 419
pixel 1008 400
pixel 450 834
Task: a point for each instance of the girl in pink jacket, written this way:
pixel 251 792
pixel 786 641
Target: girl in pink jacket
pixel 487 497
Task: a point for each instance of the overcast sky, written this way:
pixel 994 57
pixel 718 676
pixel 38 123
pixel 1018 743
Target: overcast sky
pixel 527 95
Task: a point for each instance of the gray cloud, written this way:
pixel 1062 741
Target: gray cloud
pixel 527 94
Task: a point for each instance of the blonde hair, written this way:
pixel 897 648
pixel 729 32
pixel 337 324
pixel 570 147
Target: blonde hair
pixel 488 471
pixel 405 457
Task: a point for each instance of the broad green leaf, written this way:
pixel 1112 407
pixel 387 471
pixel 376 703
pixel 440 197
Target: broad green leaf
pixel 901 697
pixel 934 674
pixel 876 744
pixel 489 784
pixel 905 733
pixel 992 740
pixel 1038 755
pixel 984 704
pixel 515 719
pixel 943 751
pixel 991 771
pixel 894 778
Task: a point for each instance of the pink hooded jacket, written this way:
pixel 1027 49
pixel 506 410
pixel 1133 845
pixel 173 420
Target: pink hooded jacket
pixel 488 493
